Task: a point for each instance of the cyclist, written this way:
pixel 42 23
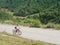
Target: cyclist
pixel 17 28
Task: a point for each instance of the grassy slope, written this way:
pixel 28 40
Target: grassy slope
pixel 7 17
pixel 7 39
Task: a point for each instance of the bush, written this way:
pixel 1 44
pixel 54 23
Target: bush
pixel 34 16
pixel 5 16
pixel 57 26
pixel 35 23
pixel 28 20
pixel 50 25
pixel 45 18
pixel 50 16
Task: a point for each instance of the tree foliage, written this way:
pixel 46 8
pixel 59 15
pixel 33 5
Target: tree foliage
pixel 48 10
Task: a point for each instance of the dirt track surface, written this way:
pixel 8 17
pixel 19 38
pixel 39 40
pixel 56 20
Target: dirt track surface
pixel 46 35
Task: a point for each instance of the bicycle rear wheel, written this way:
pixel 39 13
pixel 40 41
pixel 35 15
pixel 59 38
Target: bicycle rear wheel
pixel 19 32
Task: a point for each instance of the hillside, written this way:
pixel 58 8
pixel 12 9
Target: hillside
pixel 30 12
pixel 7 39
pixel 27 7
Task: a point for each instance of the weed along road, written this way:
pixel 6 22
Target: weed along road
pixel 46 35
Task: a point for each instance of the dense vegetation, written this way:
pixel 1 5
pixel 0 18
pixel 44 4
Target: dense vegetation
pixel 26 7
pixel 31 12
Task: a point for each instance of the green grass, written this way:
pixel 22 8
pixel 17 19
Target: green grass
pixel 7 39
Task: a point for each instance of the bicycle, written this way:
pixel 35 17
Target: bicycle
pixel 19 32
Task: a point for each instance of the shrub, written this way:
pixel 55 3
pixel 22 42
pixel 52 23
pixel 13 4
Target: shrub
pixel 27 20
pixel 57 26
pixel 50 25
pixel 50 16
pixel 35 23
pixel 5 16
pixel 45 18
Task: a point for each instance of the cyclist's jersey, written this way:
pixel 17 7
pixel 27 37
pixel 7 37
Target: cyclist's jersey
pixel 17 27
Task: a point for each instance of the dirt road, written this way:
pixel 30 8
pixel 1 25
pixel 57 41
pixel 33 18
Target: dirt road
pixel 46 35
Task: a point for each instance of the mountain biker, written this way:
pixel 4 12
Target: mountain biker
pixel 17 28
